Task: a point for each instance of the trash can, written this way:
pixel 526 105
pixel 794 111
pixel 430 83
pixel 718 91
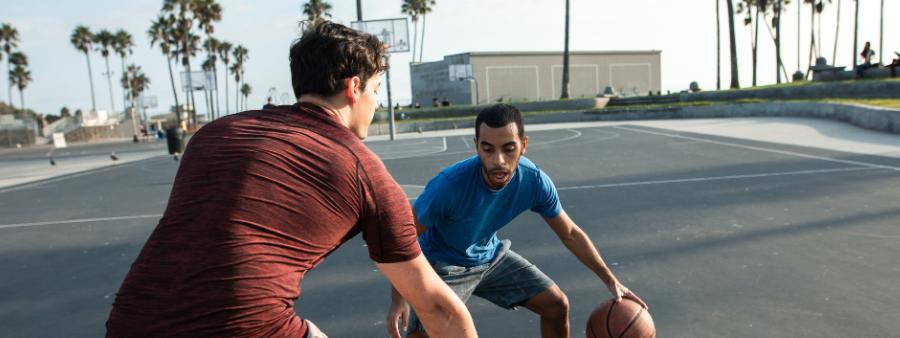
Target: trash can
pixel 174 140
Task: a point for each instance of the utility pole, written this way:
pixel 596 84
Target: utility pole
pixel 565 75
pixel 358 10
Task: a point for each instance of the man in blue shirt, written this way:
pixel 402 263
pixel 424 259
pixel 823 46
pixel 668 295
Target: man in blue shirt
pixel 462 208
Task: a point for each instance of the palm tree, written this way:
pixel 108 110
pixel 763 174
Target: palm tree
pixel 212 52
pixel 104 40
pixel 225 55
pixel 777 23
pixel 82 39
pixel 20 77
pixel 718 50
pixel 316 10
pixel 9 39
pixel 182 11
pixel 565 75
pixel 19 71
pixel 161 32
pixel 410 7
pixel 245 91
pixel 734 61
pixel 425 7
pixel 122 44
pixel 208 12
pixel 135 82
pixel 240 56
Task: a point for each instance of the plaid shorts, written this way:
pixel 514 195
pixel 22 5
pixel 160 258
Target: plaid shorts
pixel 508 281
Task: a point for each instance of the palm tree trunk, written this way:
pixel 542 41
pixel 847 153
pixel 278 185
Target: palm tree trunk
pixel 799 9
pixel 124 91
pixel 10 86
pixel 837 31
pixel 778 63
pixel 812 38
pixel 112 100
pixel 415 38
pixel 881 37
pixel 226 89
pixel 218 112
pixel 422 43
pixel 21 98
pixel 718 50
pixel 565 75
pixel 174 92
pixel 91 79
pixel 190 93
pixel 237 96
pixel 206 101
pixel 735 83
pixel 755 44
pixel 855 34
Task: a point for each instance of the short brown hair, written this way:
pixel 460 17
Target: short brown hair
pixel 328 53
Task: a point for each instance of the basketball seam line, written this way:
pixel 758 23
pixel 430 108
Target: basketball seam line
pixel 608 316
pixel 630 323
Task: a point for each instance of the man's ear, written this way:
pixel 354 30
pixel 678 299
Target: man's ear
pixel 524 144
pixel 353 89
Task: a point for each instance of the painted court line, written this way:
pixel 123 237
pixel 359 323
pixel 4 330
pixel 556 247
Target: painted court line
pixel 783 152
pixel 714 178
pixel 77 174
pixel 73 221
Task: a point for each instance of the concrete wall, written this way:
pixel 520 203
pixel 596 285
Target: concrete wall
pixel 123 130
pixel 536 76
pixel 432 80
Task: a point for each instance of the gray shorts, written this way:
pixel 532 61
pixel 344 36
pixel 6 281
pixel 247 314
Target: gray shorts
pixel 508 281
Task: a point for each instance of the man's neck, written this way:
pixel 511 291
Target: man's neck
pixel 337 109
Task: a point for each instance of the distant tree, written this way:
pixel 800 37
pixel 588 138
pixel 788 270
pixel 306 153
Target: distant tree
pixel 245 91
pixel 160 32
pixel 425 7
pixel 237 69
pixel 9 40
pixel 82 39
pixel 316 10
pixel 105 40
pixel 207 13
pixel 122 44
pixel 20 76
pixel 225 54
pixel 411 8
pixel 64 112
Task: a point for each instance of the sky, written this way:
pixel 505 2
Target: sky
pixel 685 32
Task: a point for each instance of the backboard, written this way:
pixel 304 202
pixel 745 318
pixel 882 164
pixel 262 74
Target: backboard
pixel 460 72
pixel 392 32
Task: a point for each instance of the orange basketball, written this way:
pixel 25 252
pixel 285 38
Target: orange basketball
pixel 625 319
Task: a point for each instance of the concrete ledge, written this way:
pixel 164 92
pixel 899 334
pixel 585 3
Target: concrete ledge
pixel 874 118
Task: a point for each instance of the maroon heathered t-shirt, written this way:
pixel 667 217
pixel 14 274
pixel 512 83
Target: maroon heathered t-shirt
pixel 260 198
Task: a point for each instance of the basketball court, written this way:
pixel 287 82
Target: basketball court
pixel 769 232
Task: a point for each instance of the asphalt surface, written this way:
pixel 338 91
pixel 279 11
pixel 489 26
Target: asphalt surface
pixel 722 237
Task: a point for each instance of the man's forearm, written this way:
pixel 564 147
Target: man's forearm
pixel 447 318
pixel 581 246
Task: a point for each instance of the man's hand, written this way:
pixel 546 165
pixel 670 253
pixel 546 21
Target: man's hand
pixel 398 316
pixel 619 290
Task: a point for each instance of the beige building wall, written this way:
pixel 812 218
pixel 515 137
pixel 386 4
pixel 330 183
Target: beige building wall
pixel 535 76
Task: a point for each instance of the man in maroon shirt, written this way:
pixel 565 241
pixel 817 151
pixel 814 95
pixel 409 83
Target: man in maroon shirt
pixel 262 197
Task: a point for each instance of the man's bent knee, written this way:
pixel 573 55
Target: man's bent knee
pixel 551 303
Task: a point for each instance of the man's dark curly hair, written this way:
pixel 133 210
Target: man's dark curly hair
pixel 328 53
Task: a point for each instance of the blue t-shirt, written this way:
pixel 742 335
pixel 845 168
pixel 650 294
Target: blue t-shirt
pixel 463 215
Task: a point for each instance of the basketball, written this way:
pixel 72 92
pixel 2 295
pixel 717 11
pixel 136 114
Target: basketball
pixel 625 319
